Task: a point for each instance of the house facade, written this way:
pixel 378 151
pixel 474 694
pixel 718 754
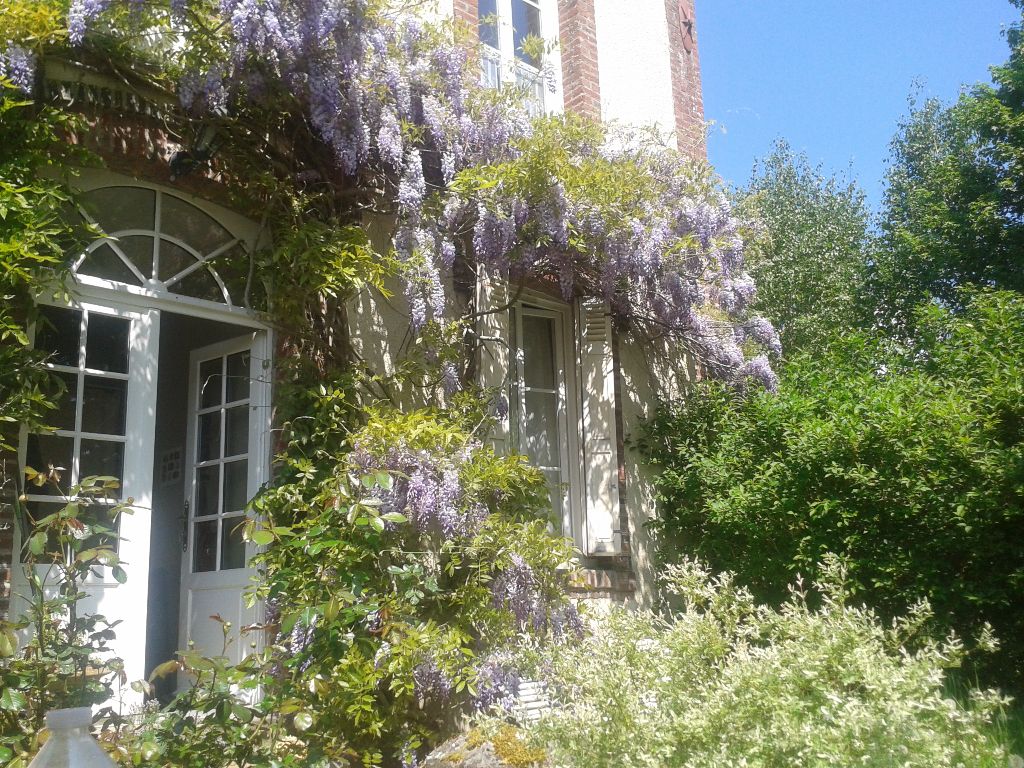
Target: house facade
pixel 170 378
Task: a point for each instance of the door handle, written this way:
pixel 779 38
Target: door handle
pixel 184 528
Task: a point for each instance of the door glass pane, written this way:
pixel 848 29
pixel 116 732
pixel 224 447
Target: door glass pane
pixel 236 485
pixel 540 429
pixel 207 490
pixel 106 264
pixel 232 547
pixel 238 377
pixel 59 332
pixel 64 415
pixel 101 523
pixel 120 208
pixel 209 436
pixel 237 431
pixel 525 23
pixel 210 383
pixel 103 407
pixel 102 457
pixel 44 451
pixel 106 345
pixel 204 546
pixel 37 510
pixel 539 352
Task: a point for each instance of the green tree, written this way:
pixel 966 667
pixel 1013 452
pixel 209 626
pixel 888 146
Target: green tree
pixel 910 467
pixel 810 262
pixel 953 214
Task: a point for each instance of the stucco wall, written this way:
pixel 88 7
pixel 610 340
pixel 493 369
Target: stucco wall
pixel 633 62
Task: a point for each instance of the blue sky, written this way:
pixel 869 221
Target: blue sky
pixel 833 76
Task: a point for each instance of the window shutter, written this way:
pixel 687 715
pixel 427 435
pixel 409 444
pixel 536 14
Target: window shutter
pixel 493 330
pixel 600 465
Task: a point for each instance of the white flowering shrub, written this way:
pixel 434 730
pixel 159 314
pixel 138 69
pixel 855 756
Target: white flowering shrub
pixel 726 682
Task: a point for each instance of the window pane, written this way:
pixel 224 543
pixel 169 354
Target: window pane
pixel 488 15
pixel 60 333
pixel 64 416
pixel 207 490
pixel 232 547
pixel 102 457
pixel 492 71
pixel 210 383
pixel 139 250
pixel 236 433
pixel 555 491
pixel 236 485
pixel 103 407
pixel 539 352
pixel 540 429
pixel 525 23
pixel 204 546
pixel 190 225
pixel 106 345
pixel 238 376
pixel 209 437
pixel 173 259
pixel 106 264
pixel 120 208
pixel 44 451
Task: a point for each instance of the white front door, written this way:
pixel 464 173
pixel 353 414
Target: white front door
pixel 103 425
pixel 225 466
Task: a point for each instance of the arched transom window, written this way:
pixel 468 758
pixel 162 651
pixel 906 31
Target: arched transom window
pixel 160 242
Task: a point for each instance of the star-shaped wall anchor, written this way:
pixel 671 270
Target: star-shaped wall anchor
pixel 686 25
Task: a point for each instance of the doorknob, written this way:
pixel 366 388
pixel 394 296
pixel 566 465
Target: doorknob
pixel 184 528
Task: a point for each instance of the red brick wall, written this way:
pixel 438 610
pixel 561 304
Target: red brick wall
pixel 581 84
pixel 685 64
pixel 467 11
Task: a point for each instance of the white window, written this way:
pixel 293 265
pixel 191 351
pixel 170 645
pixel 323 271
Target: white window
pixel 555 365
pixel 506 29
pixel 543 403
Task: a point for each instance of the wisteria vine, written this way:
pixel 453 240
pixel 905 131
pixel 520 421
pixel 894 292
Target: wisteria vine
pixel 399 101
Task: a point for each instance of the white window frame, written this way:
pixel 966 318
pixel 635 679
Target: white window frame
pixel 570 419
pixel 501 66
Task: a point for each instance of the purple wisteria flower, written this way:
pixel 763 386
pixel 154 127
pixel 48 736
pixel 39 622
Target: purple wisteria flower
pixel 412 187
pixel 515 590
pixel 427 489
pixel 430 681
pixel 759 370
pixel 497 683
pixel 18 65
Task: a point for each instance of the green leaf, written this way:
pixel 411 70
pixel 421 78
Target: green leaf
pixel 303 721
pixel 8 644
pixel 13 700
pixel 262 537
pixel 37 543
pixel 163 670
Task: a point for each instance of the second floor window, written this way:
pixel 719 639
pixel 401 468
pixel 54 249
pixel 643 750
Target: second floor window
pixel 510 31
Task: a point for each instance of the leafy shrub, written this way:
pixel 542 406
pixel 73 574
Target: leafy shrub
pixel 909 466
pixel 64 658
pixel 398 560
pixel 728 682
